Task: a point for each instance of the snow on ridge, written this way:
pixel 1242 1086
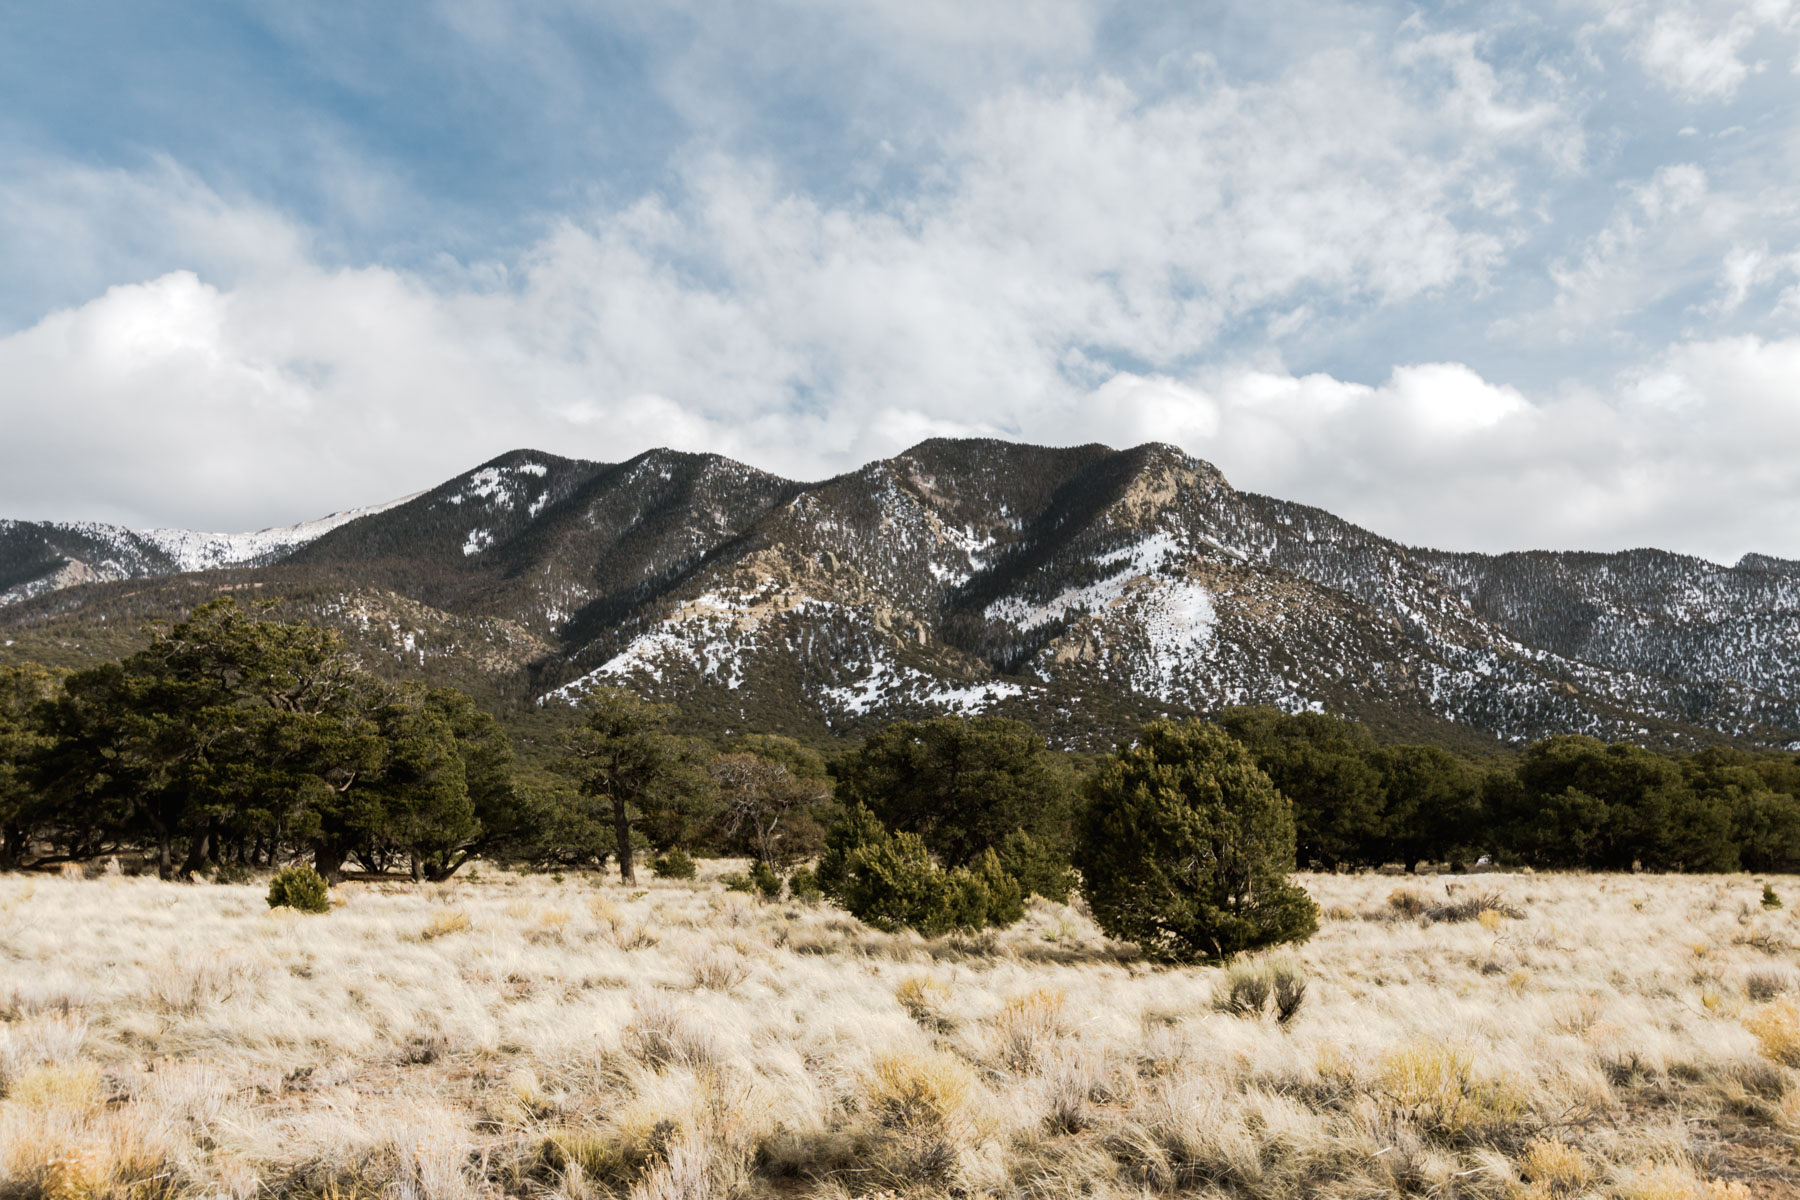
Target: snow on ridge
pixel 1133 562
pixel 193 550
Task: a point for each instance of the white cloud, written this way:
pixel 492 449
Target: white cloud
pixel 1083 252
pixel 1699 50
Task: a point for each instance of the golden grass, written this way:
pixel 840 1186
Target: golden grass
pixel 514 1036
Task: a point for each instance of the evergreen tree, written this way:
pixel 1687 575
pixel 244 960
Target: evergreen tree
pixel 24 690
pixel 1184 847
pixel 1325 766
pixel 963 784
pixel 623 757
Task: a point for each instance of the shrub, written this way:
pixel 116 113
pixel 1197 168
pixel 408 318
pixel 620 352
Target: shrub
pixel 737 881
pixel 1039 867
pixel 889 881
pixel 854 827
pixel 1770 899
pixel 912 1091
pixel 676 864
pixel 766 881
pixel 1776 1028
pixel 892 884
pixel 1407 902
pixel 803 886
pixel 1472 908
pixel 1243 992
pixel 1435 1086
pixel 1248 987
pixel 1184 847
pixel 450 921
pixel 300 887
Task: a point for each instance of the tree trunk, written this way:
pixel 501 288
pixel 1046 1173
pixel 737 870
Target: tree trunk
pixel 196 855
pixel 418 867
pixel 622 831
pixel 328 860
pixel 165 855
pixel 12 847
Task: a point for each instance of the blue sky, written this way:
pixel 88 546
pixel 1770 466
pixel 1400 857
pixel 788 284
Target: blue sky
pixel 1476 275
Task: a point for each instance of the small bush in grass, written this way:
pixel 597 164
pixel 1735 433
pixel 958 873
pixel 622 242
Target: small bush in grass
pixel 803 886
pixel 890 882
pixel 1766 985
pixel 300 887
pixel 1555 1167
pixel 919 1091
pixel 1407 902
pixel 676 864
pixel 1244 991
pixel 444 924
pixel 766 881
pixel 1770 899
pixel 1436 1087
pixel 1776 1028
pixel 1473 908
pixel 1249 986
pixel 737 881
pixel 1027 1023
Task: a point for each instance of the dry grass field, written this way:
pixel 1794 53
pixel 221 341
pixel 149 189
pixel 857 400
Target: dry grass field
pixel 1621 1036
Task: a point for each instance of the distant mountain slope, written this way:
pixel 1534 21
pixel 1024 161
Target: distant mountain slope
pixel 1081 588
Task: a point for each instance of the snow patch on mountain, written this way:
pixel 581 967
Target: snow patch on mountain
pixel 1121 570
pixel 192 550
pixel 887 684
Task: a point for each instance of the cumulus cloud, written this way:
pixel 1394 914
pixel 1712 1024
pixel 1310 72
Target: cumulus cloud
pixel 1077 253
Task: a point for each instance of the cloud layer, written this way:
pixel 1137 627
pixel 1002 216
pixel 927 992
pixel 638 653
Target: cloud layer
pixel 1419 273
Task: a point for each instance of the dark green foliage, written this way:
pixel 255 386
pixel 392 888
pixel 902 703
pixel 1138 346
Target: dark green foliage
pixel 852 826
pixel 645 781
pixel 24 689
pixel 1325 766
pixel 963 784
pixel 230 735
pixel 1769 898
pixel 737 881
pixel 676 864
pixel 1184 847
pixel 1431 806
pixel 1039 868
pixel 803 886
pixel 764 879
pixel 889 880
pixel 300 887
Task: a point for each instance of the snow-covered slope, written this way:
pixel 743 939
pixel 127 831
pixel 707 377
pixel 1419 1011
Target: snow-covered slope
pixel 47 556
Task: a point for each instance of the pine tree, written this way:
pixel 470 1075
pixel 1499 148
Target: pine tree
pixel 1184 847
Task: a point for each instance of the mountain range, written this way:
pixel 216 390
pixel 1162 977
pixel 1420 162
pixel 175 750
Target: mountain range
pixel 1082 589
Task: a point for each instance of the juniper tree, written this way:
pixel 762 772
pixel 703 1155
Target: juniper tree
pixel 1184 847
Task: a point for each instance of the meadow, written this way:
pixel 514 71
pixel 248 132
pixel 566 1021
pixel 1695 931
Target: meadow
pixel 499 1034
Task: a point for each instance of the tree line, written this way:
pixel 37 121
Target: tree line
pixel 1563 802
pixel 236 740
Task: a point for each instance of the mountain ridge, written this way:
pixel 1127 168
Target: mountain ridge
pixel 1078 587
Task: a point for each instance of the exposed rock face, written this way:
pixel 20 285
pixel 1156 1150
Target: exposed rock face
pixel 1081 588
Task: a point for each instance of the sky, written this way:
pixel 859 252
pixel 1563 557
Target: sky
pixel 1484 276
